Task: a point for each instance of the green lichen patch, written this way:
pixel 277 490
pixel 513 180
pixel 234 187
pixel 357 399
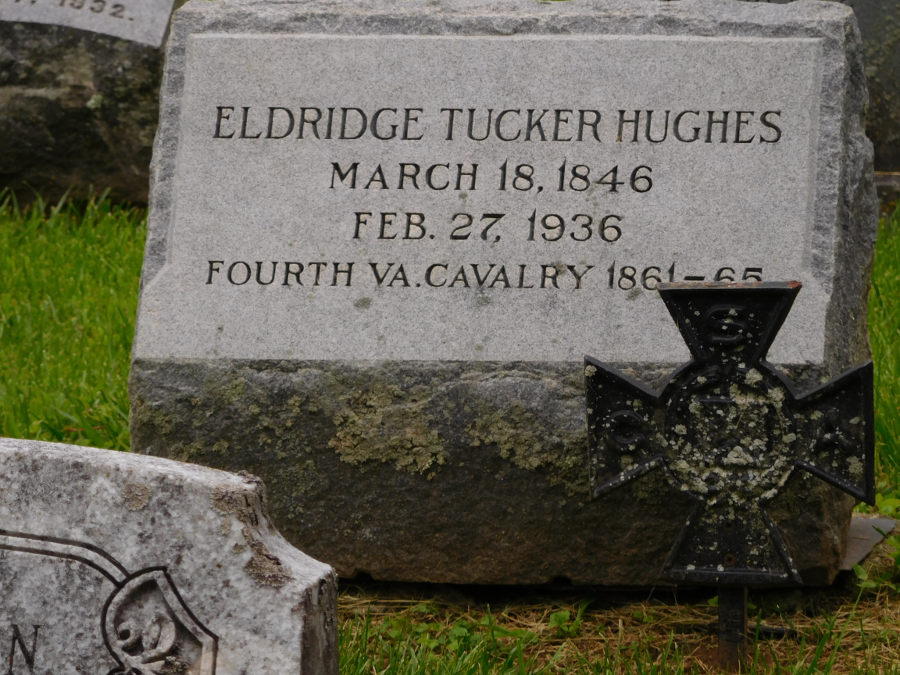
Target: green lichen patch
pixel 383 424
pixel 529 444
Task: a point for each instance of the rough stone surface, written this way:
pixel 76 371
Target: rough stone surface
pixel 78 110
pixel 400 435
pixel 113 562
pixel 880 31
pixel 442 472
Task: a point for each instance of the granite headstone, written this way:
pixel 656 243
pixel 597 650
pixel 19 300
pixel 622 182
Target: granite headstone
pixel 116 563
pixel 143 21
pixel 383 236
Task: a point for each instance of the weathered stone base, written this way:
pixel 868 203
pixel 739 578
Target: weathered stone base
pixel 442 472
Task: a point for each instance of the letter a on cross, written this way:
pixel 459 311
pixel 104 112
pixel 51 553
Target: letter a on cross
pixel 730 430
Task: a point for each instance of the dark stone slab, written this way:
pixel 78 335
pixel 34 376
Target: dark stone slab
pixel 441 472
pixel 77 110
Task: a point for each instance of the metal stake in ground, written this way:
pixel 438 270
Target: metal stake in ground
pixel 732 626
pixel 729 430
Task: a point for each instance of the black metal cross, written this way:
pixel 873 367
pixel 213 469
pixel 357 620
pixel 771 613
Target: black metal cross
pixel 729 430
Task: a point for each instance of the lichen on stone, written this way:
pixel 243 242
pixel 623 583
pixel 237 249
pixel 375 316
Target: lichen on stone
pixel 136 496
pixel 264 567
pixel 381 424
pixel 529 444
pixel 235 390
pixel 231 500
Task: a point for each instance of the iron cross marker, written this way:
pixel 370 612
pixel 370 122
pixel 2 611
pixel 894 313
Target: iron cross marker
pixel 730 430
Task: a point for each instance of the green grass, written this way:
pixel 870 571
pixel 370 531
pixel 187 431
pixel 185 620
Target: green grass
pixel 386 636
pixel 68 299
pixel 884 334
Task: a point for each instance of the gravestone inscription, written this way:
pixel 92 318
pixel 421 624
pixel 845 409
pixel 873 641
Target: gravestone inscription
pixel 142 21
pixel 115 563
pixel 373 279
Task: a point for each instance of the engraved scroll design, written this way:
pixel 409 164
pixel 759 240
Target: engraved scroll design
pixel 146 625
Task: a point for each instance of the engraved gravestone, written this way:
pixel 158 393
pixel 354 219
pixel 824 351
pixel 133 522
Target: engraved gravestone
pixel 143 21
pixel 116 563
pixel 383 237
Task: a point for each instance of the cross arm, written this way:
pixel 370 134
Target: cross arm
pixel 623 419
pixel 837 423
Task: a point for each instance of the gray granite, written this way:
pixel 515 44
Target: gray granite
pixel 51 142
pixel 881 41
pixel 361 403
pixel 143 21
pixel 112 563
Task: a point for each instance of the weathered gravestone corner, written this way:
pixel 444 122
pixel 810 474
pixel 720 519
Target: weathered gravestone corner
pixel 117 563
pixel 372 280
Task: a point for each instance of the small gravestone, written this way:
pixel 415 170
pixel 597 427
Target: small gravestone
pixel 142 21
pixel 382 239
pixel 115 563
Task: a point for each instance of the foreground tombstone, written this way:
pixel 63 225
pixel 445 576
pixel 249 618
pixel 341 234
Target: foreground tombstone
pixel 115 563
pixel 371 279
pixel 729 430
